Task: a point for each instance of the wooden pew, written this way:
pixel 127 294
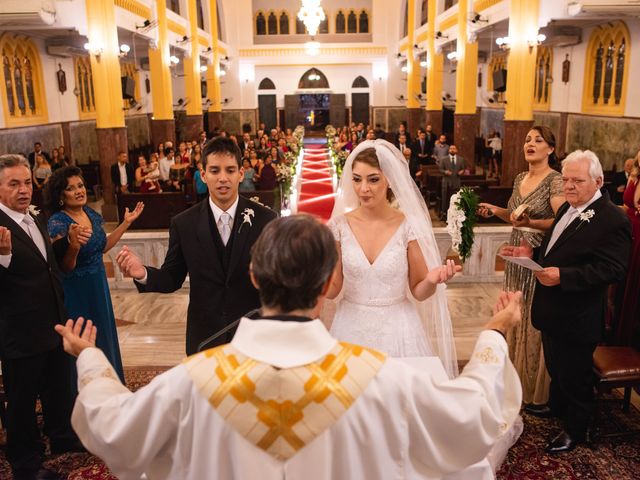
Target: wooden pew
pixel 159 208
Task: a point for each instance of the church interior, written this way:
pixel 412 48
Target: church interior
pixel 95 78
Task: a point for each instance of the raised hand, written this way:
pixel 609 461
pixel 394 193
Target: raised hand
pixel 78 235
pixel 443 273
pixel 130 217
pixel 73 341
pixel 130 264
pixel 507 311
pixel 5 241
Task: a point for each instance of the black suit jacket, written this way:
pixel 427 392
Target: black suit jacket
pixel 217 296
pixel 31 295
pixel 591 255
pixel 115 176
pixel 619 180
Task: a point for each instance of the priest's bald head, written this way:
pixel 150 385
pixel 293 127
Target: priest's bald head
pixel 292 263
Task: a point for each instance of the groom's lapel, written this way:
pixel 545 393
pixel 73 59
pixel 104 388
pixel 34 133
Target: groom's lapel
pixel 206 233
pixel 241 234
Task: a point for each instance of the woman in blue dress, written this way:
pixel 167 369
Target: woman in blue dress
pixel 80 242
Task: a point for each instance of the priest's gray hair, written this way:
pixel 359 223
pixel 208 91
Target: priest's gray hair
pixel 595 168
pixel 291 262
pixel 10 160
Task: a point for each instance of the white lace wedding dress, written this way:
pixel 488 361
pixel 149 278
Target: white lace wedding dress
pixel 375 309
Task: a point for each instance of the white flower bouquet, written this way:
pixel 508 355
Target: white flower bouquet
pixel 461 218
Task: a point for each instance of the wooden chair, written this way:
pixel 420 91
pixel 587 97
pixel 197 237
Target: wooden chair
pixel 616 367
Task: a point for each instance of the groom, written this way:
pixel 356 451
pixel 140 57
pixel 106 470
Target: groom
pixel 211 242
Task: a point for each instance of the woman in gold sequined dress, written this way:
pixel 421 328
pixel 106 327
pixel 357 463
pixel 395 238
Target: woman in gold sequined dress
pixel 537 195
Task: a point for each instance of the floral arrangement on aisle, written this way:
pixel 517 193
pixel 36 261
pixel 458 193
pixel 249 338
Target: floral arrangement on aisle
pixel 461 218
pixel 286 171
pixel 338 157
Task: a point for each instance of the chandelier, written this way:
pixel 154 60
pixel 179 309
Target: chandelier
pixel 311 14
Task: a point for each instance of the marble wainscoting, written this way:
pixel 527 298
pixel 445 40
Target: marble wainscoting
pixel 151 326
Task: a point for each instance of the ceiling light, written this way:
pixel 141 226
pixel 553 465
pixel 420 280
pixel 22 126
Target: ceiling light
pixel 311 14
pixel 173 59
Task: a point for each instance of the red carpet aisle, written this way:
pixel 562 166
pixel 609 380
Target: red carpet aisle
pixel 316 190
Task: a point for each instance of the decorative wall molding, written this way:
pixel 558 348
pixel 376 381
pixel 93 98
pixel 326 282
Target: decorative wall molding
pixel 300 51
pixel 134 6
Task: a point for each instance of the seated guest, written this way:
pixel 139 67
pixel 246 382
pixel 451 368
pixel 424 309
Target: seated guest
pixel 41 172
pixel 79 239
pixel 285 399
pixel 247 184
pixel 266 178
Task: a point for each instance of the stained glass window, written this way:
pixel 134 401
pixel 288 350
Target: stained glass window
pixel 340 22
pixel 284 23
pixel 352 22
pixel 608 72
pixel 272 24
pixel 363 22
pixel 261 24
pixel 8 83
pixel 597 76
pixel 619 72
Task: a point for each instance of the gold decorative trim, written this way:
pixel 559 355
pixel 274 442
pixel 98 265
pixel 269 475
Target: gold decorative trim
pixel 176 27
pixel 335 51
pixel 134 6
pixel 448 22
pixel 480 5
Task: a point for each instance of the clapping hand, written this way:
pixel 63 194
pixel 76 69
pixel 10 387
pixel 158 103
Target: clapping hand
pixel 507 311
pixel 443 273
pixel 130 217
pixel 5 241
pixel 130 264
pixel 524 250
pixel 73 341
pixel 78 235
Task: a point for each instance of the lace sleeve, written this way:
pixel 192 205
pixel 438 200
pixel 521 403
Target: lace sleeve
pixel 57 226
pixel 409 234
pixel 334 226
pixel 555 186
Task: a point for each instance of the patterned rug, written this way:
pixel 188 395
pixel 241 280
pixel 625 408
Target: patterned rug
pixel 614 459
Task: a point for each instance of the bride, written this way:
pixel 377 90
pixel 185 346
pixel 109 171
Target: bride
pixel 390 275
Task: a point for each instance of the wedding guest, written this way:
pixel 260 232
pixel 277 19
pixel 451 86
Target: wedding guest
pixel 57 161
pixel 620 181
pixel 165 162
pixel 537 195
pixel 628 331
pixel 34 366
pixel 440 149
pixel 585 250
pixel 86 290
pixel 63 156
pixel 284 399
pixel 494 142
pixel 37 150
pixel 183 155
pixel 41 172
pixel 122 175
pixel 247 184
pixel 201 187
pixel 210 242
pixel 266 178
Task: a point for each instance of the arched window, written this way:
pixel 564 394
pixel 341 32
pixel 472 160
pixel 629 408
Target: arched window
pixel 324 24
pixel 300 27
pixel 363 22
pixel 266 84
pixel 360 82
pixel 541 93
pixel 199 14
pixel 352 22
pixel 261 24
pixel 22 88
pixel 272 24
pixel 84 87
pixel 284 23
pixel 606 70
pixel 424 12
pixel 313 78
pixel 340 22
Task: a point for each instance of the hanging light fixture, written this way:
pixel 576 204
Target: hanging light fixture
pixel 311 14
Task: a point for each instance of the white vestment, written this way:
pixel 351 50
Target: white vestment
pixel 285 400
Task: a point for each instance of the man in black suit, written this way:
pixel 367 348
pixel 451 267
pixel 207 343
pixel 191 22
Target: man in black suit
pixel 31 304
pixel 211 242
pixel 422 149
pixel 619 183
pixel 37 150
pixel 122 175
pixel 584 252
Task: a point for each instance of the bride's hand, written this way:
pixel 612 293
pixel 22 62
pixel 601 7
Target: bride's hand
pixel 443 273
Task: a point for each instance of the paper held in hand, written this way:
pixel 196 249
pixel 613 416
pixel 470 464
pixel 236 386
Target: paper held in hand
pixel 525 262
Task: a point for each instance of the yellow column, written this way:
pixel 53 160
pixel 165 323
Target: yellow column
pixel 159 64
pixel 523 25
pixel 467 67
pixel 435 63
pixel 213 77
pixel 413 67
pixel 192 66
pixel 105 63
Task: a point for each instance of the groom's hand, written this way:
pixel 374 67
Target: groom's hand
pixel 130 264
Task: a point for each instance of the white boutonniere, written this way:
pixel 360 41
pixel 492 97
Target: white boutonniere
pixel 33 211
pixel 587 216
pixel 247 213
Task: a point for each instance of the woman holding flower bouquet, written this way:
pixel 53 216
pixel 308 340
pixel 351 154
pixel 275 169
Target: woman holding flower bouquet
pixel 537 195
pixel 385 253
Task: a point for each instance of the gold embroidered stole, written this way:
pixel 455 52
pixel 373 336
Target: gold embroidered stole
pixel 282 410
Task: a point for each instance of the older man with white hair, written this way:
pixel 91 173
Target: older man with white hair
pixel 584 252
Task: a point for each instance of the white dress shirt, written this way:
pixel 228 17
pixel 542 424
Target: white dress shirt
pixel 165 168
pixel 5 260
pixel 408 423
pixel 123 173
pixel 568 217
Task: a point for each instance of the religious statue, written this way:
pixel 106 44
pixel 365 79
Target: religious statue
pixel 62 79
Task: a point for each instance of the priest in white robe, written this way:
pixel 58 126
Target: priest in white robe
pixel 285 400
